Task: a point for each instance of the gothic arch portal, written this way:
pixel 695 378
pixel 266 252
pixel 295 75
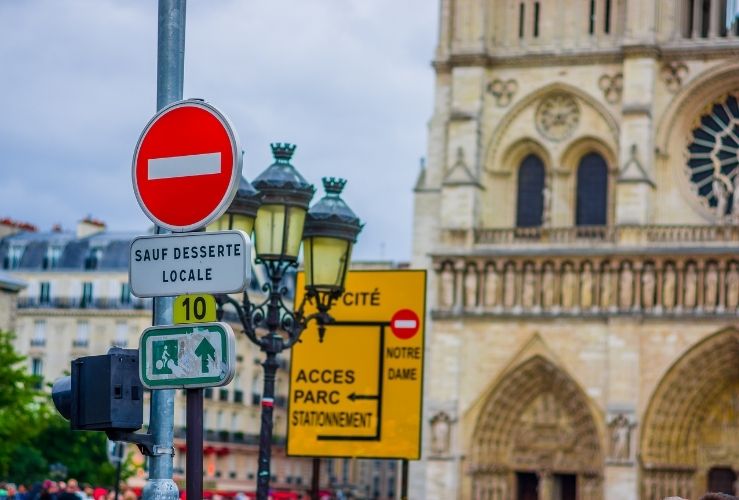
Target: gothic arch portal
pixel 536 420
pixel 692 423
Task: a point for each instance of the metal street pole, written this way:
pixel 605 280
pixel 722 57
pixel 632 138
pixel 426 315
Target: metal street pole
pixel 170 78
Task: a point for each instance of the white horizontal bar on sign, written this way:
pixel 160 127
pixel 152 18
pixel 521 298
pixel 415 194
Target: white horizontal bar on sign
pixel 184 166
pixel 405 323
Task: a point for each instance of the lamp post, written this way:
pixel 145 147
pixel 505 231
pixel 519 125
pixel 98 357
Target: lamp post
pixel 276 207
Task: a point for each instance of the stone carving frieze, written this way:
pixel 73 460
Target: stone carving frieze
pixel 585 285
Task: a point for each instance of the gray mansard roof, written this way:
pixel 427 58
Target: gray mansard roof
pixel 27 251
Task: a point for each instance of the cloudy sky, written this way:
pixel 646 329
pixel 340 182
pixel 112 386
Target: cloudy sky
pixel 348 81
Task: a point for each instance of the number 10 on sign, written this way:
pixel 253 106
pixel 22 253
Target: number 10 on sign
pixel 194 308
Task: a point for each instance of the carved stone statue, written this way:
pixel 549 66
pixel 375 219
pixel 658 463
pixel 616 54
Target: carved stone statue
pixel 546 194
pixel 668 288
pixel 735 200
pixel 720 188
pixel 732 286
pixel 446 292
pixel 509 298
pixel 626 287
pixel 440 433
pixel 569 287
pixel 621 438
pixel 710 294
pixel 492 284
pixel 547 287
pixel 470 288
pixel 691 286
pixel 605 287
pixel 648 287
pixel 586 286
pixel 529 287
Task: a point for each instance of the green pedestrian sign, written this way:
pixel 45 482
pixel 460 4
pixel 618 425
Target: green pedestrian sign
pixel 187 356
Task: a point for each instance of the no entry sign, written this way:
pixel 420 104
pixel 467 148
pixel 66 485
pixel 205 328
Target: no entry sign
pixel 186 166
pixel 405 324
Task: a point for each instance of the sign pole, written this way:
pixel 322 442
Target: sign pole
pixel 170 80
pixel 316 479
pixel 404 480
pixel 194 437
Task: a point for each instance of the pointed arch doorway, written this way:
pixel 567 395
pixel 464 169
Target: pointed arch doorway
pixel 536 439
pixel 690 438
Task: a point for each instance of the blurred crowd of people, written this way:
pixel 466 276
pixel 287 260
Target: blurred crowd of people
pixel 63 490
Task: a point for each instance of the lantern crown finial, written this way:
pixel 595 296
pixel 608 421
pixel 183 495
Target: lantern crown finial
pixel 282 151
pixel 333 185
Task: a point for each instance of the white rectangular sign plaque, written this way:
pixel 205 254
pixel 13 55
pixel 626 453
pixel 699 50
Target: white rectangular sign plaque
pixel 176 264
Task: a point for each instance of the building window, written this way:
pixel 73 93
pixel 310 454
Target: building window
pixel 592 191
pixel 713 165
pixel 121 334
pixel 53 254
pixel 607 19
pixel 39 333
pixel 44 296
pixel 521 13
pixel 37 367
pixel 86 294
pixel 591 19
pixel 93 258
pixel 15 253
pixel 83 334
pixel 125 293
pixel 536 19
pixel 530 202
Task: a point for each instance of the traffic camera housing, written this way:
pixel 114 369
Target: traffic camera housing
pixel 103 393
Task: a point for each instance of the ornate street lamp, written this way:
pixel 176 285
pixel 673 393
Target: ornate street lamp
pixel 328 231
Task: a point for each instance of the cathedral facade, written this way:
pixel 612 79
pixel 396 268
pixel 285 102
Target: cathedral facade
pixel 579 218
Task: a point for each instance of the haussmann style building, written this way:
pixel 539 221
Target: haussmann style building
pixel 579 218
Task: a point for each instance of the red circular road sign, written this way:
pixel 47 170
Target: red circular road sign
pixel 405 324
pixel 186 166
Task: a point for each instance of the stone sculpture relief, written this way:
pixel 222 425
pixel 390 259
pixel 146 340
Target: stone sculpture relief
pixel 648 286
pixel 569 287
pixel 626 287
pixel 547 286
pixel 612 86
pixel 441 424
pixel 470 288
pixel 586 286
pixel 446 287
pixel 503 91
pixel 557 116
pixel 509 299
pixel 529 286
pixel 673 75
pixel 710 294
pixel 668 289
pixel 620 433
pixel 732 286
pixel 691 281
pixel 492 286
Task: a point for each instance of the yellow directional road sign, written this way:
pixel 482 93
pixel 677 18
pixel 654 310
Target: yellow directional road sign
pixel 359 392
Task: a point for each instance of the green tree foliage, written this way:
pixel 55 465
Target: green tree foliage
pixel 33 436
pixel 23 410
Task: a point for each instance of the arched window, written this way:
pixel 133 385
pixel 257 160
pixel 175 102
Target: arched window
pixel 530 203
pixel 592 191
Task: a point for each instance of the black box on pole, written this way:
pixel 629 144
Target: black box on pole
pixel 106 393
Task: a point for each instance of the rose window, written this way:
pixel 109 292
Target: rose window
pixel 713 158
